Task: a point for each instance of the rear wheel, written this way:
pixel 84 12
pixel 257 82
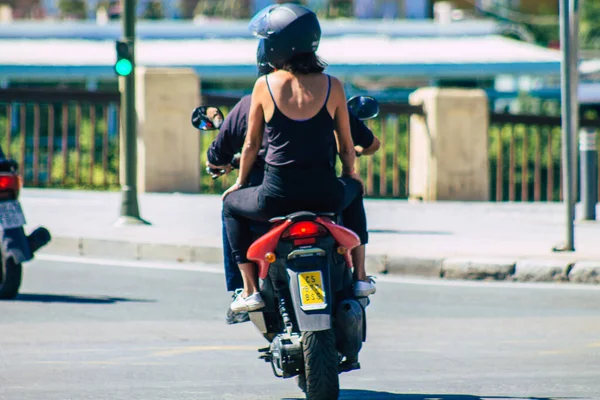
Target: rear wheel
pixel 320 366
pixel 10 278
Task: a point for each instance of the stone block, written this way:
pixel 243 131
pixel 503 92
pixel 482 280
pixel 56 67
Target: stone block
pixel 477 269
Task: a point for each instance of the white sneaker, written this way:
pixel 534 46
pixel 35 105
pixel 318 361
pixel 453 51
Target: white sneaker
pixel 364 289
pixel 250 303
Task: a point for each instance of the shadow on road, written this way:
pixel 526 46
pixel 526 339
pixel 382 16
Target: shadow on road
pixel 59 298
pixel 398 232
pixel 373 395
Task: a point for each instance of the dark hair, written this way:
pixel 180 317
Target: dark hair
pixel 304 63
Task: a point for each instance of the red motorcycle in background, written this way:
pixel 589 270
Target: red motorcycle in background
pixel 314 324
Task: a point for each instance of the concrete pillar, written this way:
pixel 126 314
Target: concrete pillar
pixel 449 145
pixel 168 145
pixel 6 13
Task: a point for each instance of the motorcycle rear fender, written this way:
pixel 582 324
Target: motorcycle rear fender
pixel 267 243
pixel 311 320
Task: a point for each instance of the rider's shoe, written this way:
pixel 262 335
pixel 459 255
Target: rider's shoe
pixel 250 303
pixel 236 317
pixel 364 289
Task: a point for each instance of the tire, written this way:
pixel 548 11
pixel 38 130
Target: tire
pixel 320 366
pixel 10 279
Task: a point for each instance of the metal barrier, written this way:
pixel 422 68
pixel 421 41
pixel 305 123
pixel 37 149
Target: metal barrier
pixel 62 138
pixel 525 157
pixel 70 138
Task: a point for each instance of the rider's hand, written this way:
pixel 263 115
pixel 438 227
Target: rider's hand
pixel 227 168
pixel 233 188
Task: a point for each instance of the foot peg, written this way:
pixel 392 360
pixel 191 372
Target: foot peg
pixel 266 356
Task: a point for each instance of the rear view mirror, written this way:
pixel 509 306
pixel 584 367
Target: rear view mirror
pixel 207 118
pixel 363 107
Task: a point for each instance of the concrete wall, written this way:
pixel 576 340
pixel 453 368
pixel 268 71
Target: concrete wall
pixel 168 145
pixel 449 145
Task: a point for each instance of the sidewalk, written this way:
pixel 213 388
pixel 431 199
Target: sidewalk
pixel 451 240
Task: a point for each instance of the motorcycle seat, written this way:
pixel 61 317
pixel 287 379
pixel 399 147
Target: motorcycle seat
pixel 303 216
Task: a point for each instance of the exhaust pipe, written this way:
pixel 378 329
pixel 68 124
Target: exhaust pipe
pixel 38 239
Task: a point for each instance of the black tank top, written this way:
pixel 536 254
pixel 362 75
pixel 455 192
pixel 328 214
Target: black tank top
pixel 305 144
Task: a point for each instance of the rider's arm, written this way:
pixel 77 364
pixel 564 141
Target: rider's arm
pixel 254 136
pixel 369 150
pixel 365 142
pixel 342 128
pixel 231 135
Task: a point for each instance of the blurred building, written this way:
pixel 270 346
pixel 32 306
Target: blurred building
pixel 363 9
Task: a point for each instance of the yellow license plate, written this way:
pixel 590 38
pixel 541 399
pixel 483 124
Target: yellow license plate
pixel 312 293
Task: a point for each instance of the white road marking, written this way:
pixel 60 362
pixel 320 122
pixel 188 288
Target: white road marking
pixel 194 267
pixel 213 269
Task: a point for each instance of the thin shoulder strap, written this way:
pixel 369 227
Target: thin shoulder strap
pixel 328 90
pixel 270 91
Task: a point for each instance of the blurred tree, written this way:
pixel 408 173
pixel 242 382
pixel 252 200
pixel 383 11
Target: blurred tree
pixel 103 4
pixel 224 8
pixel 154 10
pixel 72 8
pixel 589 26
pixel 340 9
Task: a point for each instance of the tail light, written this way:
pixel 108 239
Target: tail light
pixel 10 184
pixel 304 230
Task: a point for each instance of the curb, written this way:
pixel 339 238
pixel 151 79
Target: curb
pixel 451 268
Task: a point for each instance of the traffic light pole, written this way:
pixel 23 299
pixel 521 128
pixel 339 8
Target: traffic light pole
pixel 130 213
pixel 569 29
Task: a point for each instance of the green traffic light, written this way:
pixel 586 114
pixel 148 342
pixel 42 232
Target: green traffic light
pixel 123 67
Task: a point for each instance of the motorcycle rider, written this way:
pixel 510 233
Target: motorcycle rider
pixel 230 140
pixel 306 117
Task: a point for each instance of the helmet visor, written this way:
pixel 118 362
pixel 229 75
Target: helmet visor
pixel 259 25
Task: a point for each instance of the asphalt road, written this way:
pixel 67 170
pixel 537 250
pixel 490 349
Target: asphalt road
pixel 111 331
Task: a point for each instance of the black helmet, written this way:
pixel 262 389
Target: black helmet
pixel 288 29
pixel 261 59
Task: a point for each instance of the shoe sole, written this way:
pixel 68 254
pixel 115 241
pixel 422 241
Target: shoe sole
pixel 256 307
pixel 364 294
pixel 248 308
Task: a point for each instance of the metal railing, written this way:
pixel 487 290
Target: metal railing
pixel 62 138
pixel 525 157
pixel 70 139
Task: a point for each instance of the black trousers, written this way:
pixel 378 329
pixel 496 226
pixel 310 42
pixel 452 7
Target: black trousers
pixel 285 191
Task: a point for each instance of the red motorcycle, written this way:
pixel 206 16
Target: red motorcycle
pixel 314 324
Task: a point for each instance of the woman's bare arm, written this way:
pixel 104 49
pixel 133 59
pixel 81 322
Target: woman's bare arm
pixel 254 136
pixel 342 128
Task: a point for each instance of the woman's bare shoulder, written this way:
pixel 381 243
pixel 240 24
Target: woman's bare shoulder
pixel 336 84
pixel 260 84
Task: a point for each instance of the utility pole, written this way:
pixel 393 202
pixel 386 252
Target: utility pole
pixel 125 67
pixel 569 70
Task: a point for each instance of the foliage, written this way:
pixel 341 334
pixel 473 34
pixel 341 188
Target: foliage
pixel 224 8
pixel 72 8
pixel 154 10
pixel 589 26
